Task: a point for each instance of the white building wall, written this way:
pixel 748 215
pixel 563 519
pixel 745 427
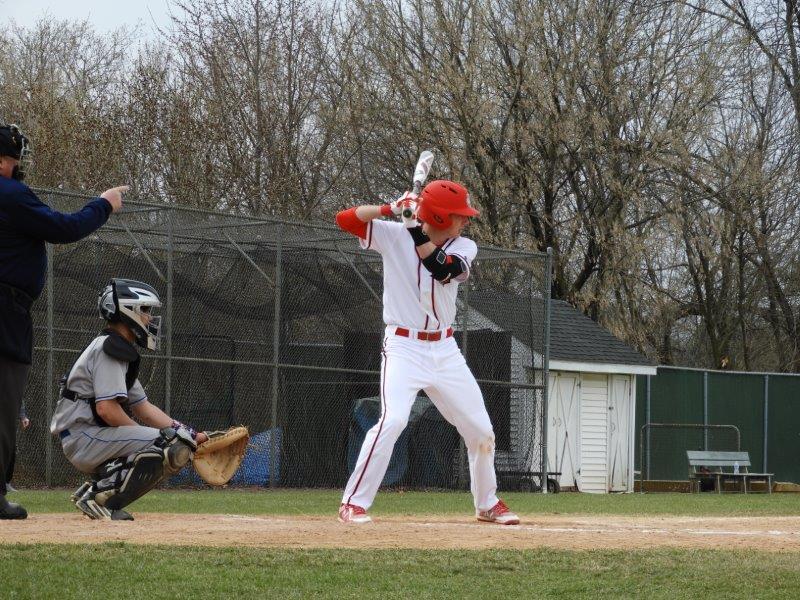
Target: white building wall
pixel 594 433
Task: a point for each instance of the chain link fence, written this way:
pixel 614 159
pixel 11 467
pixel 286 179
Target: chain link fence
pixel 277 325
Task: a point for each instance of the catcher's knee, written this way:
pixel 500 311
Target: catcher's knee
pixel 178 447
pixel 125 482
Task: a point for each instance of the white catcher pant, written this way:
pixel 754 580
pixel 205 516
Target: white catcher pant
pixel 409 365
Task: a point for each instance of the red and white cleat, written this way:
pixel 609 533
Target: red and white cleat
pixel 350 513
pixel 499 514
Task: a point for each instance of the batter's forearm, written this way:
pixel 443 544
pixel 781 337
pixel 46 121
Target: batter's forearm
pixel 368 212
pixel 439 264
pixel 355 220
pixel 422 243
pixel 426 249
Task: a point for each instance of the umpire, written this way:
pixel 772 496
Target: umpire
pixel 26 223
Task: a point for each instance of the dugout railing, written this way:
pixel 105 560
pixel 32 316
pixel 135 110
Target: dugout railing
pixel 277 324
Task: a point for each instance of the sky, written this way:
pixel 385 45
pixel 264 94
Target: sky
pixel 105 15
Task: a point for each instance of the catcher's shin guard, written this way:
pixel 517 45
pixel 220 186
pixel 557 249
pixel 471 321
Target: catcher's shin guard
pixel 77 494
pixel 145 470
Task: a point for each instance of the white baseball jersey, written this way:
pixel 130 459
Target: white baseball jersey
pixel 412 298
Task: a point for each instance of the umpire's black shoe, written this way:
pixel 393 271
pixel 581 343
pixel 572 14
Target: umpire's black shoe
pixel 11 510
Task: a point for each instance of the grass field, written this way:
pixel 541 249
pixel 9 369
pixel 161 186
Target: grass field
pixel 121 570
pixel 125 571
pixel 325 502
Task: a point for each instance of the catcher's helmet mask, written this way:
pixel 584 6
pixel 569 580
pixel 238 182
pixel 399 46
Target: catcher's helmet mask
pixel 17 146
pixel 133 303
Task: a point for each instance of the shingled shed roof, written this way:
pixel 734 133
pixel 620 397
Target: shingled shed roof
pixel 575 339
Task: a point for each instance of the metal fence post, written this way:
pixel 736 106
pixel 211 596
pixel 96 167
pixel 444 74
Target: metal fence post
pixel 276 359
pixel 462 447
pixel 169 315
pixel 647 418
pixel 548 282
pixel 50 368
pixel 705 409
pixel 766 419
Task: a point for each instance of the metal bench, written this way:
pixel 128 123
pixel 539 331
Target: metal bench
pixel 713 464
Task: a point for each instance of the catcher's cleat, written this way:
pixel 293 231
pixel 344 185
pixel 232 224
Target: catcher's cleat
pixel 88 506
pixel 80 491
pixel 350 513
pixel 499 514
pixel 121 515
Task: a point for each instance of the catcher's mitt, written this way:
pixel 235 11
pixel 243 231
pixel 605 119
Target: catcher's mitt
pixel 217 459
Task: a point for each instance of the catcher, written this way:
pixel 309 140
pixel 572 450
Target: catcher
pixel 101 395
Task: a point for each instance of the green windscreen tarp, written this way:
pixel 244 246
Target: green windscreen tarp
pixel 783 428
pixel 739 399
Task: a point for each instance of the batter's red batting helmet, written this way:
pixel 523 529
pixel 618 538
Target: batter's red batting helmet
pixel 443 198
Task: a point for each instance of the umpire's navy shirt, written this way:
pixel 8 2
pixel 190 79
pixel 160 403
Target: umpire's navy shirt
pixel 26 223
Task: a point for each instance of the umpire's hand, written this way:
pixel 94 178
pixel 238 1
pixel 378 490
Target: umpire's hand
pixel 114 196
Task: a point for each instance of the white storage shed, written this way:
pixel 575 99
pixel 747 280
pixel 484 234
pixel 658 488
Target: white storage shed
pixel 591 394
pixel 592 403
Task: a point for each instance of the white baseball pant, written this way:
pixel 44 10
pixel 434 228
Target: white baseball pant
pixel 409 365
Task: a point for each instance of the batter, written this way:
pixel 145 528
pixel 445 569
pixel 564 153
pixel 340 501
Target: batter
pixel 424 260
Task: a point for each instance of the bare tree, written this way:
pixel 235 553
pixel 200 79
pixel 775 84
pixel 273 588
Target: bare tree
pixel 653 145
pixel 263 104
pixel 59 81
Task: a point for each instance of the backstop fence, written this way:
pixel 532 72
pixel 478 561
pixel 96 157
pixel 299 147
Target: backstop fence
pixel 277 325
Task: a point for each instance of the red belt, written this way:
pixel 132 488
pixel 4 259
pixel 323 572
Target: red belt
pixel 432 336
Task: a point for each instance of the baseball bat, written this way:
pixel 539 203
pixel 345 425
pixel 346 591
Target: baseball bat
pixel 420 175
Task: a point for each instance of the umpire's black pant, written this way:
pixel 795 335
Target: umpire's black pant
pixel 13 379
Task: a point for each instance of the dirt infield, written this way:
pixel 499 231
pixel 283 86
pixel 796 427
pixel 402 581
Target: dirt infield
pixel 555 531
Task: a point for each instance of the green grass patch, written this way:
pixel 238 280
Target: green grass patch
pixel 325 502
pixel 125 571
